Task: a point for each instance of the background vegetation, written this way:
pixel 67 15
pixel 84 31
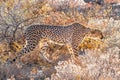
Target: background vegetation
pixel 97 64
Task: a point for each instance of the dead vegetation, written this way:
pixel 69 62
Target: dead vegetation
pixel 53 62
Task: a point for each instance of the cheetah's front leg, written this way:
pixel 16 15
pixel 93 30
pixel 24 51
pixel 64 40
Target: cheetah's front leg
pixel 71 51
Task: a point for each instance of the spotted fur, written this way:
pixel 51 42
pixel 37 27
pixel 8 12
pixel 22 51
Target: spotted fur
pixel 71 34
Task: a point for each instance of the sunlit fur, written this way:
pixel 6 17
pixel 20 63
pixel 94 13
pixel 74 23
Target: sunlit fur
pixel 71 35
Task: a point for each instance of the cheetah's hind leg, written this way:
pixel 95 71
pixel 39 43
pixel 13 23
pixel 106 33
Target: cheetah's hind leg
pixel 43 52
pixel 30 45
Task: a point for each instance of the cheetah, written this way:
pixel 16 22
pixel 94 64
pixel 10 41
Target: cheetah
pixel 70 35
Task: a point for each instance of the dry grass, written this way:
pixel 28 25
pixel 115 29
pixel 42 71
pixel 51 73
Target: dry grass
pixel 101 61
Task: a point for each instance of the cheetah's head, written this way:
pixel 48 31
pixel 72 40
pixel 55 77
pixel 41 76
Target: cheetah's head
pixel 95 34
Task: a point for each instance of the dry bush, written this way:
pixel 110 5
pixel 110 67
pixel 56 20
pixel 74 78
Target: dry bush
pixel 4 51
pixel 54 60
pixel 91 43
pixel 47 53
pixel 104 66
pixel 14 17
